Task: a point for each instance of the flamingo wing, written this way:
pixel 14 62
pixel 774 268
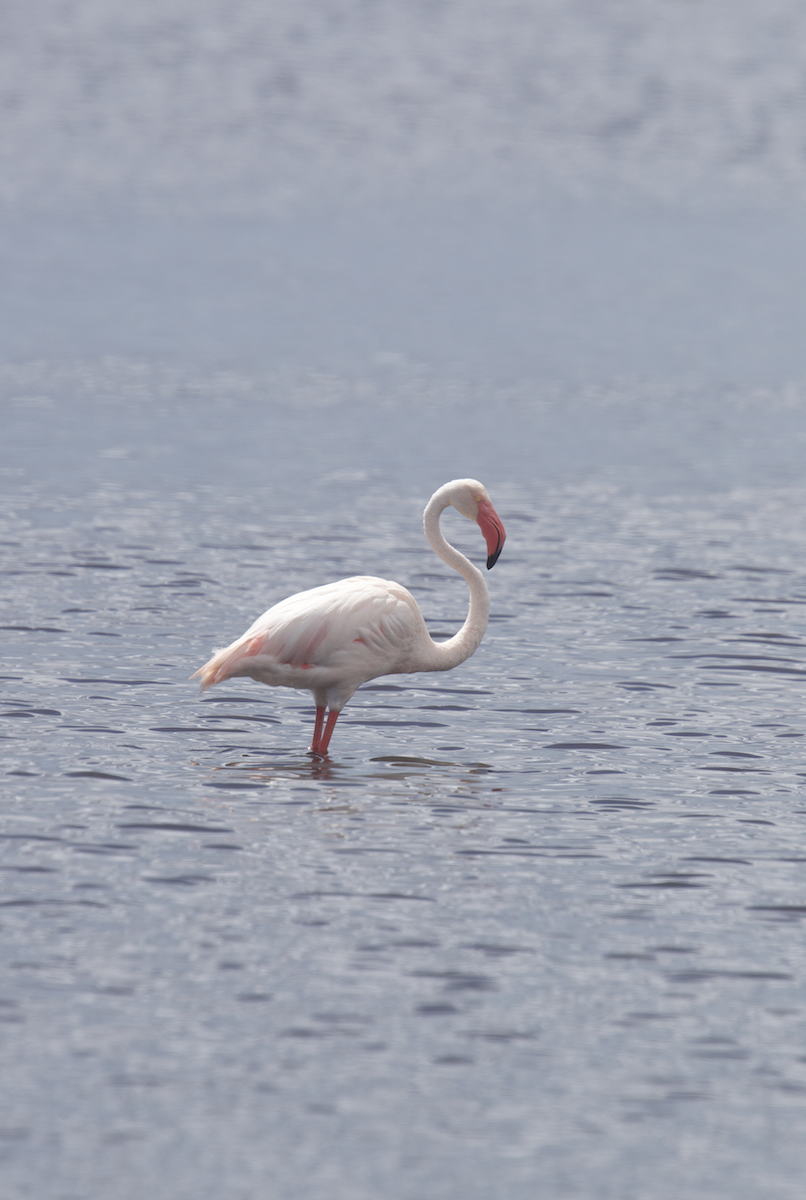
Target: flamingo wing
pixel 340 634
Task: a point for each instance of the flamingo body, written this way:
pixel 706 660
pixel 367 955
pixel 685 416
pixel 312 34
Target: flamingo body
pixel 330 640
pixel 333 638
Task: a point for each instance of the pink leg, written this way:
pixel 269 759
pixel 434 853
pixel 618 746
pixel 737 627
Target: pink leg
pixel 317 730
pixel 324 742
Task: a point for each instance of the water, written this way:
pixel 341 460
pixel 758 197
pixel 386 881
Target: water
pixel 263 107
pixel 536 924
pixel 502 290
pixel 270 277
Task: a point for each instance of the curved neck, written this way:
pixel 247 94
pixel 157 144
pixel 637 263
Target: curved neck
pixel 444 655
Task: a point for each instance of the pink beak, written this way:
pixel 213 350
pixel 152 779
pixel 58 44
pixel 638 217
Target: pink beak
pixel 492 527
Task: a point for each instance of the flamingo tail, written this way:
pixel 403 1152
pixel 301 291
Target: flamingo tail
pixel 222 665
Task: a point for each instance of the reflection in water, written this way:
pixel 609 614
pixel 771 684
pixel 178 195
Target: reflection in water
pixel 245 773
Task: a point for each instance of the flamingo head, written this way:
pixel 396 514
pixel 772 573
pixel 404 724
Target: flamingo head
pixel 470 498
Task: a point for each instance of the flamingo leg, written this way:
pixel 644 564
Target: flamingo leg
pixel 324 741
pixel 317 730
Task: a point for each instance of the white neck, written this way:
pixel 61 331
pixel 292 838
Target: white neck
pixel 441 656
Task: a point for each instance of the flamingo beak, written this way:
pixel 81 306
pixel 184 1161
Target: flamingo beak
pixel 492 527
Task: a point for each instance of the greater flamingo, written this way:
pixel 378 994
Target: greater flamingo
pixel 332 639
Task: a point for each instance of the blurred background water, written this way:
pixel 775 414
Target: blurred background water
pixel 269 275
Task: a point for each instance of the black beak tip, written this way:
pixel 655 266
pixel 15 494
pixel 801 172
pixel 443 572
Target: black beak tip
pixel 493 558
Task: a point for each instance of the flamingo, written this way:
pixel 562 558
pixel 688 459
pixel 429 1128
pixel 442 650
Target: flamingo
pixel 332 639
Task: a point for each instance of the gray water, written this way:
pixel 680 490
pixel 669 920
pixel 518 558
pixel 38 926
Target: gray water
pixel 490 291
pixel 269 277
pixel 534 928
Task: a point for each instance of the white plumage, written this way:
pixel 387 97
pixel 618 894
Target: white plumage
pixel 332 639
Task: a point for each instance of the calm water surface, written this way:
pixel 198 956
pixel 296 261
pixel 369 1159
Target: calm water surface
pixel 535 928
